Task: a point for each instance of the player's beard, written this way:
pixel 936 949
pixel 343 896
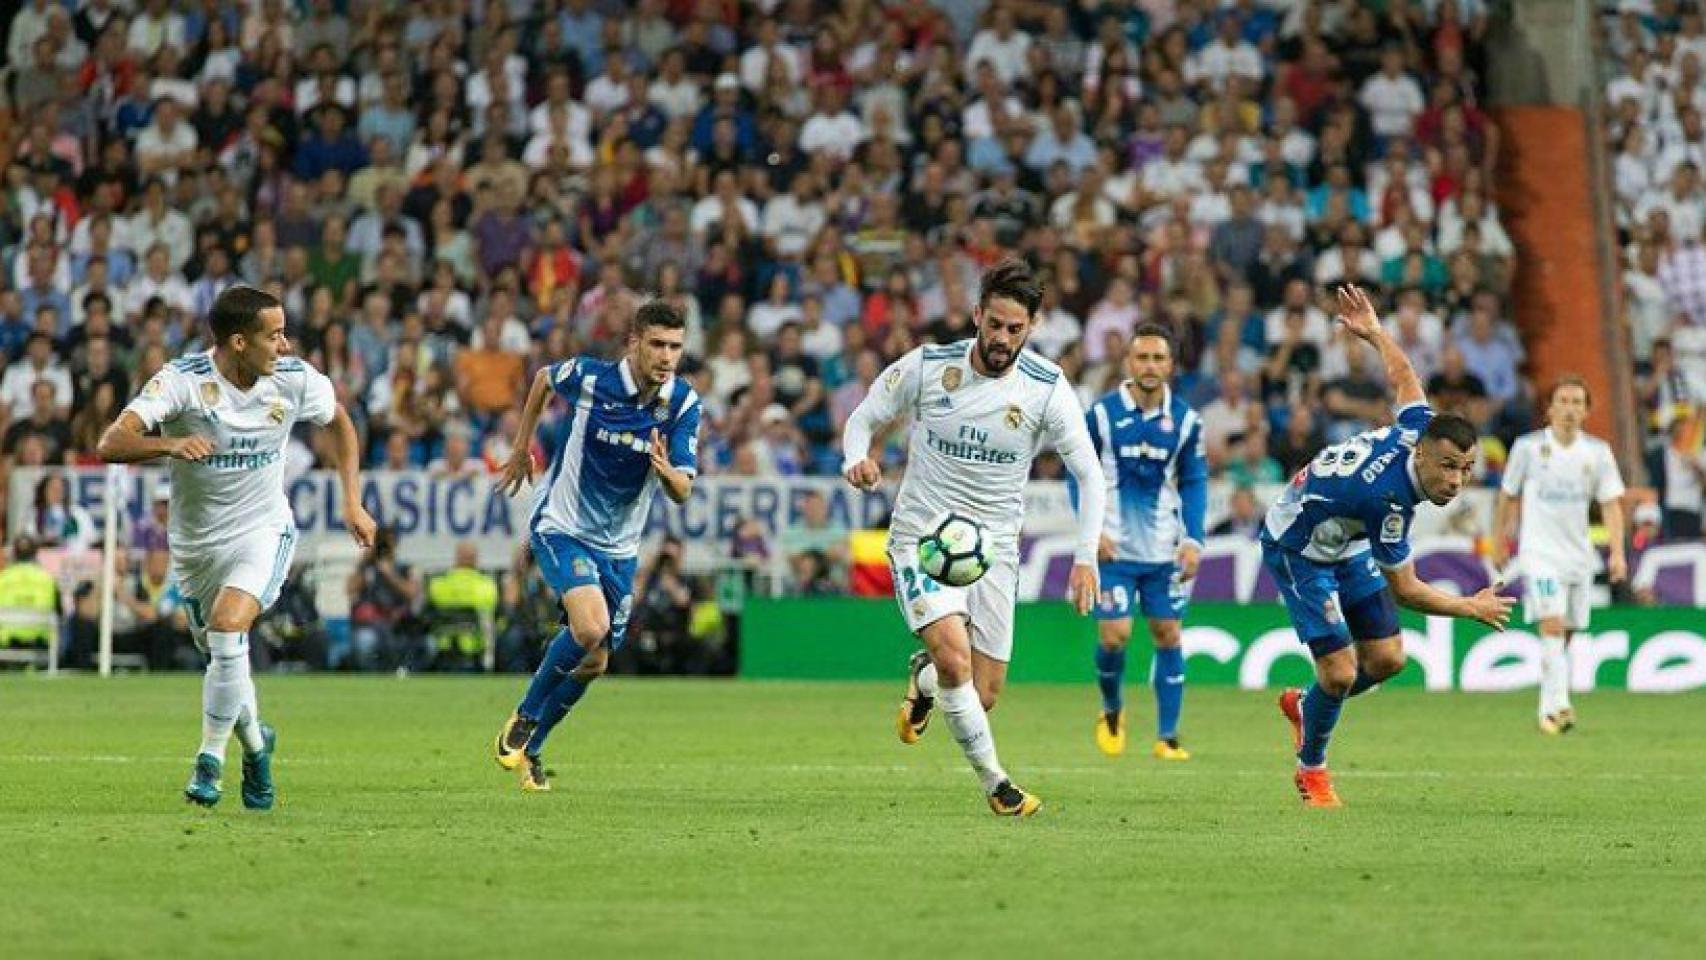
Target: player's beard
pixel 988 354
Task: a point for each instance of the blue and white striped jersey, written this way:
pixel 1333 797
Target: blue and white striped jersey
pixel 601 481
pixel 1355 496
pixel 1157 477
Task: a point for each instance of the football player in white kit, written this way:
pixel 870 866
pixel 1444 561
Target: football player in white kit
pixel 224 418
pixel 981 409
pixel 1558 472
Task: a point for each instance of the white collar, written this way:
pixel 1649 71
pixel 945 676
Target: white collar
pixel 633 389
pixel 1131 404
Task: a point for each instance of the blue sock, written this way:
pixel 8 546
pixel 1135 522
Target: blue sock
pixel 1169 683
pixel 1362 683
pixel 562 656
pixel 557 706
pixel 1110 675
pixel 1320 714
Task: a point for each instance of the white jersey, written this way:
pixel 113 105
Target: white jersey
pixel 239 488
pixel 1557 484
pixel 973 439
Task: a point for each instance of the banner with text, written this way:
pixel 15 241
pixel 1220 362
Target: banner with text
pixel 1647 650
pixel 432 513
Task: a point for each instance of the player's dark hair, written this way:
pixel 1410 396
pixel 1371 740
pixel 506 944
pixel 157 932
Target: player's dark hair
pixel 1013 279
pixel 1453 429
pixel 1570 380
pixel 238 310
pixel 1157 331
pixel 657 313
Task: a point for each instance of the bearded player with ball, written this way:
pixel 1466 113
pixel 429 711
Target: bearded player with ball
pixel 981 410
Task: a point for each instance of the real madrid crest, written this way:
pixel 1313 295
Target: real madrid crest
pixel 209 393
pixel 951 378
pixel 275 413
pixel 1015 417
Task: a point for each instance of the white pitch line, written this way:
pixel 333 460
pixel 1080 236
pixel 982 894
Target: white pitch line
pixel 1202 770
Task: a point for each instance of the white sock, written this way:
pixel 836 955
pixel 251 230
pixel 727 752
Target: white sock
pixel 970 725
pixel 927 683
pixel 1554 676
pixel 249 722
pixel 222 689
pixel 1561 692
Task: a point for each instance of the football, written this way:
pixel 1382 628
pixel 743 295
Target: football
pixel 954 552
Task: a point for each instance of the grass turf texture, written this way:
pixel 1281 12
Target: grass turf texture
pixel 730 818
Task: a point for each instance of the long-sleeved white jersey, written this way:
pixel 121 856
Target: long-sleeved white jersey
pixel 973 440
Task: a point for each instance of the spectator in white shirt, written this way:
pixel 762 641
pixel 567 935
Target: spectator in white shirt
pixel 792 219
pixel 1227 56
pixel 1681 202
pixel 167 144
pixel 157 279
pixel 37 363
pixel 833 129
pixel 1001 46
pixel 1392 97
pixel 157 223
pixel 755 62
pixel 725 200
pixel 1316 327
pixel 767 316
pixel 155 27
pixel 673 91
pixel 608 92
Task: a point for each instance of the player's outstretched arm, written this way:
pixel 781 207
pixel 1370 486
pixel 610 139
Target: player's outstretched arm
pixel 1486 606
pixel 520 468
pixel 1356 312
pixel 348 445
pixel 127 441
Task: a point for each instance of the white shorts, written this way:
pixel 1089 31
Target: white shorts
pixel 987 604
pixel 1544 595
pixel 256 563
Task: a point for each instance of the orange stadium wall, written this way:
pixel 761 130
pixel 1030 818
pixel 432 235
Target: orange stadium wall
pixel 1545 196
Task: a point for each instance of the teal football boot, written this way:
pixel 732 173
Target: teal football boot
pixel 203 787
pixel 258 793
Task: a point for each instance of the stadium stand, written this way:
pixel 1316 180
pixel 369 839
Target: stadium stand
pixel 449 194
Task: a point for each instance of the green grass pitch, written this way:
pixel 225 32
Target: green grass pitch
pixel 702 818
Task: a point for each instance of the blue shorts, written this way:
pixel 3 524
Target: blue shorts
pixel 568 563
pixel 1154 588
pixel 1332 604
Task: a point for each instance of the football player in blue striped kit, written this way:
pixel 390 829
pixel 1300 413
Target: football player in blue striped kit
pixel 1150 445
pixel 634 430
pixel 1337 543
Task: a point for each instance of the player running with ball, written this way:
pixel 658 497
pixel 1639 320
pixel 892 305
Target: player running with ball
pixel 981 409
pixel 225 418
pixel 1341 522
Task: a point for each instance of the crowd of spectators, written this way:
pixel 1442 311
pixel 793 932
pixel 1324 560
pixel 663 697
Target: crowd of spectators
pixel 450 193
pixel 1652 56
